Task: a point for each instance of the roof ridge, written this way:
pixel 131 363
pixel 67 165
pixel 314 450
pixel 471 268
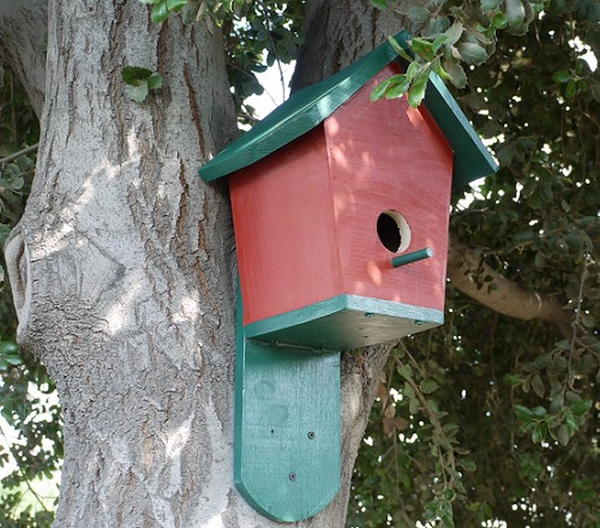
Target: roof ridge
pixel 310 106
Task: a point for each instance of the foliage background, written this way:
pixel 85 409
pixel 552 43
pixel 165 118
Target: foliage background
pixel 486 417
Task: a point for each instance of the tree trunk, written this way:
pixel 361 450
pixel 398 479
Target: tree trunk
pixel 122 274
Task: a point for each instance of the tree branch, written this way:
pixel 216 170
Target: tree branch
pixel 508 297
pixel 23 41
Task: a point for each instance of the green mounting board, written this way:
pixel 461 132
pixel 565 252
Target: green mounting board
pixel 287 427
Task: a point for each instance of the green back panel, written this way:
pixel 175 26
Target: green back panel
pixel 308 107
pixel 346 322
pixel 287 428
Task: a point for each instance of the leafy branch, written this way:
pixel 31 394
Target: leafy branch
pixel 450 36
pixel 418 390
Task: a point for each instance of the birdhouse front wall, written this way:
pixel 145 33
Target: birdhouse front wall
pixel 388 158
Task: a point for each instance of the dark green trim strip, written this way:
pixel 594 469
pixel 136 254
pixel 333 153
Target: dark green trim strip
pixel 472 159
pixel 337 304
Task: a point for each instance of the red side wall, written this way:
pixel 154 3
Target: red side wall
pixel 284 229
pixel 386 155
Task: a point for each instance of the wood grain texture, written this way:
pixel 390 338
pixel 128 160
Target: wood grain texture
pixel 280 470
pixel 283 220
pixel 388 156
pixel 287 434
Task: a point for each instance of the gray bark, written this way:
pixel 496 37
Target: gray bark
pixel 23 36
pixel 347 29
pixel 121 272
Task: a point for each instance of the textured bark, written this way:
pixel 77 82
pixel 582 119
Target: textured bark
pixel 122 272
pixel 23 31
pixel 126 290
pixel 336 33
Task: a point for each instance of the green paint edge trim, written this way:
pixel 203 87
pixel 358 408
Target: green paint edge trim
pixel 312 105
pixel 472 159
pixel 238 420
pixel 337 304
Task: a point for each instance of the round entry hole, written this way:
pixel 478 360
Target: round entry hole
pixel 393 231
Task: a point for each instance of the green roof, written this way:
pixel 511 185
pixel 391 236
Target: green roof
pixel 307 108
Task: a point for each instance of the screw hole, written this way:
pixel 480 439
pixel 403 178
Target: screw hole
pixel 311 435
pixel 292 476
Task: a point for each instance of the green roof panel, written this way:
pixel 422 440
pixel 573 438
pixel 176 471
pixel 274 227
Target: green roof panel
pixel 308 107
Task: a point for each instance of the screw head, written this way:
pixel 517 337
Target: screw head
pixel 292 476
pixel 311 435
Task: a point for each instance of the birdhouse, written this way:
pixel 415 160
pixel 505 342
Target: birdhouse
pixel 341 210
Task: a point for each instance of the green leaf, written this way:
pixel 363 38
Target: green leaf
pixel 537 434
pixel 140 81
pixel 418 15
pixel 135 74
pixel 399 88
pixel 160 12
pixel 155 81
pixel 571 89
pixel 523 414
pixel 515 12
pixel 13 359
pixel 563 435
pixel 423 48
pixel 436 66
pixel 416 94
pixel 453 33
pixel 405 371
pixel 472 53
pixel 138 92
pixel 499 21
pixel 399 49
pixel 457 75
pixel 175 5
pixel 380 89
pixel 379 4
pixel 489 5
pixel 538 385
pixel 428 386
pixel 539 412
pixel 413 405
pixel 581 407
pixel 468 465
pixel 8 347
pixel 561 76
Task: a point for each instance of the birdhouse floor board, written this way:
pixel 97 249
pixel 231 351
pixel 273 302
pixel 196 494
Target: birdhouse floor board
pixel 345 322
pixel 287 434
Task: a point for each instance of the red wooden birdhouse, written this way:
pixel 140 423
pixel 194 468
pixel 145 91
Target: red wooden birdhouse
pixel 341 209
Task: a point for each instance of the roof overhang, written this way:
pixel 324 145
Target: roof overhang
pixel 308 107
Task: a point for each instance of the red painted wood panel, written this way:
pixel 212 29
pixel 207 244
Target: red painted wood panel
pixel 386 155
pixel 284 229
